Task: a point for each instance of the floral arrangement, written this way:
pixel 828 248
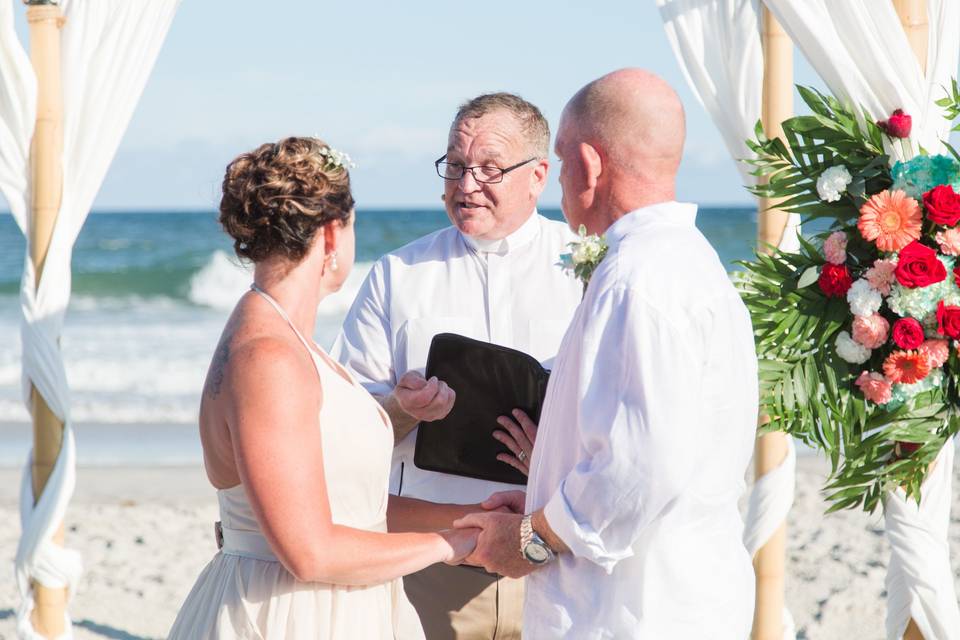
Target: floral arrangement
pixel 858 332
pixel 586 252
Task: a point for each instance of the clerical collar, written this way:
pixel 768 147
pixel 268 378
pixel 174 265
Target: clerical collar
pixel 518 238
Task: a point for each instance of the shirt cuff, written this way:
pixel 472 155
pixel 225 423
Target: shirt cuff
pixel 376 389
pixel 582 540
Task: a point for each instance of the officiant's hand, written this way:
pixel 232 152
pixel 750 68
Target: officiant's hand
pixel 425 400
pixel 520 434
pixel 498 545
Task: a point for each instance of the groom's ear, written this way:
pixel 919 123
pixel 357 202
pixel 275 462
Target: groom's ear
pixel 592 164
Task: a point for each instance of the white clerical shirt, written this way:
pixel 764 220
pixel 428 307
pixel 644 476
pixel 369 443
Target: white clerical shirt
pixel 644 440
pixel 511 292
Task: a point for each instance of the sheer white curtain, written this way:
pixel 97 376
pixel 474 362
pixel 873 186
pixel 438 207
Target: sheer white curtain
pixel 860 50
pixel 108 50
pixel 719 48
pixel 18 108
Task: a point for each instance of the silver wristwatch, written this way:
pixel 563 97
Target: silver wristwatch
pixel 532 546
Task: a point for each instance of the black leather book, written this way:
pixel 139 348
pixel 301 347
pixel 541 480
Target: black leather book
pixel 490 381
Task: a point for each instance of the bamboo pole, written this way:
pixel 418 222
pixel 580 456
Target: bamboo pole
pixel 771 448
pixel 45 21
pixel 913 17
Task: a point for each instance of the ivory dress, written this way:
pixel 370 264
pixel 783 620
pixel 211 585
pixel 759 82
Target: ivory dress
pixel 245 592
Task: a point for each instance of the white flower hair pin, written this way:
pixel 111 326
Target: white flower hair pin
pixel 336 159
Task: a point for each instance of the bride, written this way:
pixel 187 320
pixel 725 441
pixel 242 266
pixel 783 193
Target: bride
pixel 298 451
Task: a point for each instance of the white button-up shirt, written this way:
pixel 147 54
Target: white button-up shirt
pixel 643 445
pixel 511 292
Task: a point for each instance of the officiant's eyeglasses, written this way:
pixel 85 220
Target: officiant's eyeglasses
pixel 486 174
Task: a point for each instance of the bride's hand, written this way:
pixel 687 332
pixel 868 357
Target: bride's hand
pixel 461 543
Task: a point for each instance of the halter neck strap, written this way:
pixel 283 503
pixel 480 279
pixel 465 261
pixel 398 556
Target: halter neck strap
pixel 283 314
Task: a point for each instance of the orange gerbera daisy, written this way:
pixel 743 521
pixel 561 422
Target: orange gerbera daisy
pixel 891 219
pixel 906 367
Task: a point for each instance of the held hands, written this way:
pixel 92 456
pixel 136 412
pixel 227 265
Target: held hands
pixel 506 502
pixel 425 400
pixel 519 436
pixel 498 544
pixel 498 528
pixel 461 543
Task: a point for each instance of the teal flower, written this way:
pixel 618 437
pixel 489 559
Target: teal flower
pixel 922 173
pixel 919 303
pixel 901 393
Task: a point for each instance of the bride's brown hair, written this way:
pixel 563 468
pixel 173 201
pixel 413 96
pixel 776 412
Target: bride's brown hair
pixel 277 196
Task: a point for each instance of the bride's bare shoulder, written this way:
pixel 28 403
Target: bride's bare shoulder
pixel 257 352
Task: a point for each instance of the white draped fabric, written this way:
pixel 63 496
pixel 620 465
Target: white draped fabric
pixel 770 502
pixel 719 49
pixel 919 579
pixel 108 51
pixel 18 107
pixel 861 51
pixel 720 52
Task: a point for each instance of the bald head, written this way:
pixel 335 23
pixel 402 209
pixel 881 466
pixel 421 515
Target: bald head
pixel 634 119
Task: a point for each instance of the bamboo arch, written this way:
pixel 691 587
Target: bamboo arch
pixel 45 21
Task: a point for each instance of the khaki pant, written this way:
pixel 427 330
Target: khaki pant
pixel 461 603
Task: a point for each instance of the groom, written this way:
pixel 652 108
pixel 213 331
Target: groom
pixel 633 529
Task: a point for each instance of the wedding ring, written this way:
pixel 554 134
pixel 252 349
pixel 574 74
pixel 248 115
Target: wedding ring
pixel 522 455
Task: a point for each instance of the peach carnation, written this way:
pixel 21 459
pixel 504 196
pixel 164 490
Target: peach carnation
pixel 875 387
pixel 871 331
pixel 891 219
pixel 949 241
pixel 906 367
pixel 937 352
pixel 881 275
pixel 835 248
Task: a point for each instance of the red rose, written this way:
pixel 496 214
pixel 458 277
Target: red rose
pixel 835 280
pixel 919 266
pixel 943 205
pixel 898 125
pixel 906 449
pixel 948 320
pixel 907 333
pixel 956 275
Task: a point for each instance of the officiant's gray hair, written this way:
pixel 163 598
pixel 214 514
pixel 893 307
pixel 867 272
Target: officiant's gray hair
pixel 532 122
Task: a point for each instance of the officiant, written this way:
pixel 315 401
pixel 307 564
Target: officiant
pixel 494 276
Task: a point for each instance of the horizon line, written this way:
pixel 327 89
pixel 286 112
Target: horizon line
pixel 397 208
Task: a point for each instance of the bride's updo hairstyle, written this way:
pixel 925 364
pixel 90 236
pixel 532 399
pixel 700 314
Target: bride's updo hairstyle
pixel 277 196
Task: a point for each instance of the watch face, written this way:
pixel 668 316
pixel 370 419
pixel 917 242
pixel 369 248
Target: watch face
pixel 536 553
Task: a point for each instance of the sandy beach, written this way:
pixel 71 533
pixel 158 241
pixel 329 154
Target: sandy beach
pixel 145 534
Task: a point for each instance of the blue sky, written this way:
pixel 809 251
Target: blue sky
pixel 380 80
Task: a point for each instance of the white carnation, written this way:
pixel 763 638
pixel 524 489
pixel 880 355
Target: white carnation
pixel 864 300
pixel 833 182
pixel 850 350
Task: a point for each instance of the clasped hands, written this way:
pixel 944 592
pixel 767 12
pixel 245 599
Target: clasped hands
pixel 498 535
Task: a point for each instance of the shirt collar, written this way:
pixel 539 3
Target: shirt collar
pixel 680 214
pixel 527 231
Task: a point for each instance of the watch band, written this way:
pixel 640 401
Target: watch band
pixel 526 533
pixel 530 538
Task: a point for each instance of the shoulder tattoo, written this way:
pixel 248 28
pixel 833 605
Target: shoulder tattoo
pixel 220 358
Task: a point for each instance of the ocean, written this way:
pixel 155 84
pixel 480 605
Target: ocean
pixel 151 292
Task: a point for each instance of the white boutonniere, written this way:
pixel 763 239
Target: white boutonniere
pixel 585 254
